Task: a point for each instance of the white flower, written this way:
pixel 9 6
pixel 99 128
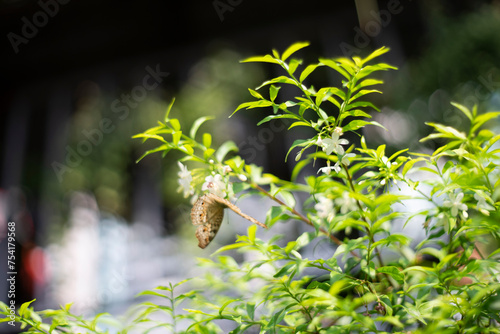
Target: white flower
pixel 482 205
pixel 325 208
pixel 455 203
pixel 333 144
pixel 226 169
pixel 345 158
pixel 328 168
pixel 343 161
pixel 346 203
pixel 215 185
pixel 185 179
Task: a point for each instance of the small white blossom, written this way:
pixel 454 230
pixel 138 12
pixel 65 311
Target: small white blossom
pixel 455 203
pixel 185 179
pixel 215 185
pixel 333 144
pixel 226 169
pixel 325 208
pixel 242 177
pixel 328 168
pixel 482 205
pixel 337 167
pixel 346 203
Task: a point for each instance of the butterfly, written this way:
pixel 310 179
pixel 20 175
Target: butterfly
pixel 207 213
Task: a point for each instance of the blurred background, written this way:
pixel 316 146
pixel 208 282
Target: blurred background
pixel 79 78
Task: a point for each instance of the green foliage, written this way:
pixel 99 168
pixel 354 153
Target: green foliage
pixel 372 279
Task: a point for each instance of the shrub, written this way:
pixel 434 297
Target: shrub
pixel 370 278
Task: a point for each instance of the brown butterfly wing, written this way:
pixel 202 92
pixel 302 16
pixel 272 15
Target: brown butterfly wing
pixel 208 214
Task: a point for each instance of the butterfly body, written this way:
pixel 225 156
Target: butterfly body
pixel 207 213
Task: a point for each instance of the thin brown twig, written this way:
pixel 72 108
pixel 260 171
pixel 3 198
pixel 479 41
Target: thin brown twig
pixel 301 216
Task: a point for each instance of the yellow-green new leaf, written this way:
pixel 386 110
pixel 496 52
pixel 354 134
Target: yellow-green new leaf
pixel 293 48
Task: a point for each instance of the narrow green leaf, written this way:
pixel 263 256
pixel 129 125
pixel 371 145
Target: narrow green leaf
pixel 252 104
pixel 332 64
pixel 261 59
pixel 481 119
pixel 272 117
pixel 255 94
pixel 280 79
pixel 375 54
pixel 293 48
pixel 168 110
pixel 462 109
pixel 308 70
pixel 299 123
pixel 366 83
pixel 196 125
pixel 224 149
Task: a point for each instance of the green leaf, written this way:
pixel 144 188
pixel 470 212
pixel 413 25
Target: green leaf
pixel 462 109
pixel 261 59
pixel 294 63
pixel 481 119
pixel 366 83
pixel 196 125
pixel 224 149
pixel 165 147
pixel 362 104
pixel 375 54
pixel 299 123
pixel 394 272
pixel 308 70
pixel 409 164
pixel 250 310
pixel 358 123
pixel 175 124
pixel 207 140
pixel 363 92
pixel 176 137
pixel 24 307
pixel 271 117
pixel 208 153
pixel 367 70
pixel 186 149
pixel 300 143
pixel 333 64
pixel 255 94
pixel 280 79
pixel 273 92
pixel 444 132
pixel 168 110
pixel 252 104
pixel 293 48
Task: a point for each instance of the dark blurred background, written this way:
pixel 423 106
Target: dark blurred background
pixel 79 78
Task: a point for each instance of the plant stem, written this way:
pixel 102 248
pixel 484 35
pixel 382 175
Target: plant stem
pixel 300 216
pixel 368 232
